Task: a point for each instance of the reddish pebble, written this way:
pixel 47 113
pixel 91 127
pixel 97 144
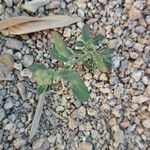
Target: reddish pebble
pixel 123 125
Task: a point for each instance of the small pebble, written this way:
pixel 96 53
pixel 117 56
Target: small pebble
pixel 2 114
pixel 9 3
pixel 136 75
pixel 85 146
pixel 14 44
pixel 60 108
pixel 134 55
pixel 9 103
pixel 81 112
pixel 146 123
pixel 27 60
pixel 81 13
pixel 67 32
pixel 148 19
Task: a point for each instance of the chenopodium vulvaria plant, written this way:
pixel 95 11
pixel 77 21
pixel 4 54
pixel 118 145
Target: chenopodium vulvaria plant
pixel 86 54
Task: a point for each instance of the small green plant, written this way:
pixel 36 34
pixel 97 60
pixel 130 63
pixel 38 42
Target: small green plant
pixel 87 54
pixel 45 76
pixel 90 55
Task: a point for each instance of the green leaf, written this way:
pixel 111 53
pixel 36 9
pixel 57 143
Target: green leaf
pixel 44 77
pixel 99 62
pixel 41 89
pixel 77 85
pixel 80 90
pixel 80 44
pixel 36 67
pixel 54 53
pixel 60 45
pixel 90 49
pixel 69 75
pixel 97 39
pixel 107 56
pixel 86 34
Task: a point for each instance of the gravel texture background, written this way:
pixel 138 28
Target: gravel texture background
pixel 117 115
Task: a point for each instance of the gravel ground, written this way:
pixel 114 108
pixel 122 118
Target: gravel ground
pixel 117 115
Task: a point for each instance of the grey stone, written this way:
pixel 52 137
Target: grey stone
pixel 12 117
pixel 81 112
pixel 22 90
pixel 17 56
pixel 148 19
pixel 3 92
pixel 140 29
pixel 124 65
pixel 26 73
pixel 14 44
pixel 118 136
pixel 138 47
pixel 9 103
pixel 27 60
pixel 1 99
pixel 145 80
pixel 19 143
pixel 64 101
pixel 1 136
pixel 116 61
pixel 80 24
pixel 138 4
pixel 136 75
pixel 59 138
pixel 102 1
pixel 67 32
pixel 63 5
pixel 33 6
pixel 18 66
pixel 53 4
pixel 2 114
pixel 77 103
pixel 81 13
pixel 146 123
pixel 41 143
pixel 9 126
pixel 91 112
pixel 60 108
pixel 129 43
pixel 1 9
pixel 52 139
pixel 119 91
pixel 9 3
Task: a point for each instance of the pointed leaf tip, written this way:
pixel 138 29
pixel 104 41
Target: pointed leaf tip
pixel 77 85
pixel 54 53
pixel 86 33
pixel 80 90
pixel 60 45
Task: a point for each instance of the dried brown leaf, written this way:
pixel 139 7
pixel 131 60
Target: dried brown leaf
pixel 16 20
pixel 24 24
